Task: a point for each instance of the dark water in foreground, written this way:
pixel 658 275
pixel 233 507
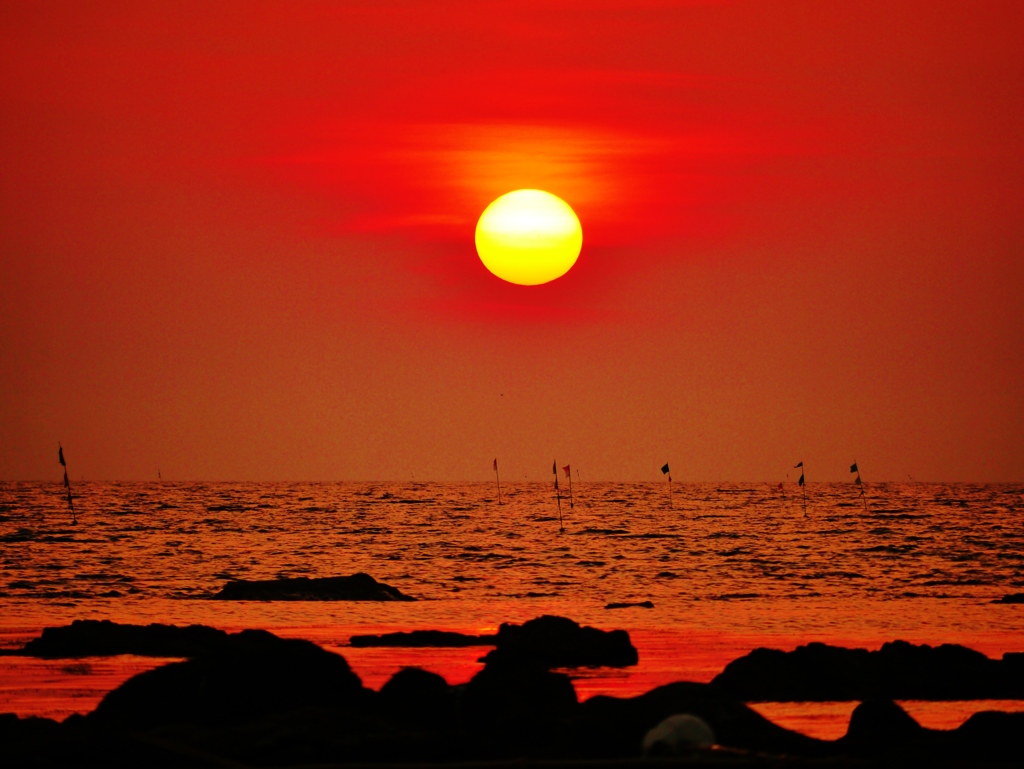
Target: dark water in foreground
pixel 728 566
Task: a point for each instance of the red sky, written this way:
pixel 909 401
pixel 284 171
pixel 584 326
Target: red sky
pixel 236 239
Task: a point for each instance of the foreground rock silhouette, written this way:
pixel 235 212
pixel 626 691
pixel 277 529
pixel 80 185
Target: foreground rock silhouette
pixel 357 587
pixel 546 642
pixel 899 670
pixel 423 639
pixel 261 700
pixel 252 698
pixel 256 674
pixel 103 638
pixel 557 642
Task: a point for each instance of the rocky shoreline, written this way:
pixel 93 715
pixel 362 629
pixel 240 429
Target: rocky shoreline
pixel 254 699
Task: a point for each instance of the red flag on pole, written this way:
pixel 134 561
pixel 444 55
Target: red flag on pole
pixel 566 471
pixel 495 464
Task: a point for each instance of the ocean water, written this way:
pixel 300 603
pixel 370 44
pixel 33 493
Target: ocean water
pixel 728 567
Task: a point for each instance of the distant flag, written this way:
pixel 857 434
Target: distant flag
pixel 801 483
pixel 558 494
pixel 497 479
pixel 860 485
pixel 568 474
pixel 665 471
pixel 67 483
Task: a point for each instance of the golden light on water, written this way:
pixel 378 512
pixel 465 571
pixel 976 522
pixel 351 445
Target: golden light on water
pixel 529 237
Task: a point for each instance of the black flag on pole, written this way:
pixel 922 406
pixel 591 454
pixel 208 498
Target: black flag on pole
pixel 860 484
pixel 67 483
pixel 664 469
pixel 799 465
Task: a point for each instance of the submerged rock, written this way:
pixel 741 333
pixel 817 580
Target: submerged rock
pixel 631 605
pixel 557 642
pixel 899 670
pixel 357 587
pixel 1011 598
pixel 423 638
pixel 103 638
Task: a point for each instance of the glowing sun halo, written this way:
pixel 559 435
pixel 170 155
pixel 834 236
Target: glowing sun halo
pixel 528 237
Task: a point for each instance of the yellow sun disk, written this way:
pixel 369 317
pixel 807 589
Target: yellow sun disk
pixel 528 237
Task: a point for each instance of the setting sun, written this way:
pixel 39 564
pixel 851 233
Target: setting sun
pixel 528 237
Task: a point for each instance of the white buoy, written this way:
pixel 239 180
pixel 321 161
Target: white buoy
pixel 678 735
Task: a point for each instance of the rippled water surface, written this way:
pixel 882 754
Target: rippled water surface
pixel 437 540
pixel 727 566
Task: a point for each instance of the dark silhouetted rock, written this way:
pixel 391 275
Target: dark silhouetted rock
pixel 881 726
pixel 994 733
pixel 899 670
pixel 358 587
pixel 557 642
pixel 612 727
pixel 507 694
pixel 1011 598
pixel 678 735
pixel 103 638
pixel 259 674
pixel 634 605
pixel 423 638
pixel 417 695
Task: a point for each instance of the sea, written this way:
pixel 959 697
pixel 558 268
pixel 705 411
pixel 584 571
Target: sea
pixel 728 567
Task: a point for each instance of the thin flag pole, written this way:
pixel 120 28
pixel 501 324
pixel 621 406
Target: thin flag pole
pixel 803 486
pixel 67 483
pixel 860 484
pixel 497 479
pixel 666 471
pixel 558 495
